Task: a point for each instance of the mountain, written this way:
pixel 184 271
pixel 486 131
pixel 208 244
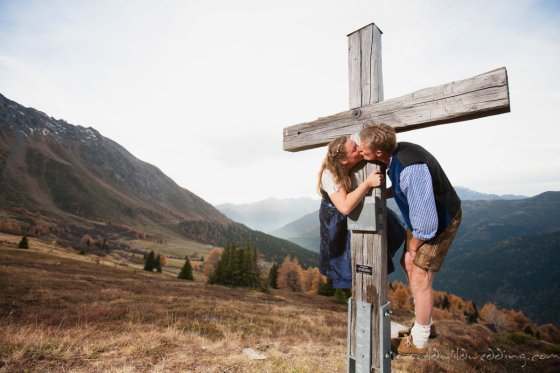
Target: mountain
pixel 305 230
pixel 518 273
pixel 63 181
pixel 505 252
pixel 269 214
pixel 58 168
pixel 466 194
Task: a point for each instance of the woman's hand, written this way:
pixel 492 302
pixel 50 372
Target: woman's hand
pixel 375 179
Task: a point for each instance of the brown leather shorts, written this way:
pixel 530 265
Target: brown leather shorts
pixel 431 254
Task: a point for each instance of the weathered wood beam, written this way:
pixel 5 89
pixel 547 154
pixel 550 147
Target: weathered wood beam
pixel 480 96
pixel 368 248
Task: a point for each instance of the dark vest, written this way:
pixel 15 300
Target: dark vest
pixel 447 201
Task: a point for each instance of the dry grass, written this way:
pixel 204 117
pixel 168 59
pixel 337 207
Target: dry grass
pixel 60 311
pixel 64 312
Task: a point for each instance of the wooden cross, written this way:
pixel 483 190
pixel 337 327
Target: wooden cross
pixel 483 95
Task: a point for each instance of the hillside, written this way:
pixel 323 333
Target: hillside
pixel 59 169
pixel 273 249
pixel 489 222
pixel 489 228
pixel 519 273
pixel 305 229
pixel 63 181
pixel 269 214
pixel 61 311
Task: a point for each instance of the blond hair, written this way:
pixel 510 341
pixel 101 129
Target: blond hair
pixel 336 153
pixel 379 136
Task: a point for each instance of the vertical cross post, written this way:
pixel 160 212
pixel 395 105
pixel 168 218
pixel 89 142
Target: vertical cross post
pixel 369 251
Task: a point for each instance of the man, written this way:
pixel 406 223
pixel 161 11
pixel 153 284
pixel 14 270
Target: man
pixel 432 212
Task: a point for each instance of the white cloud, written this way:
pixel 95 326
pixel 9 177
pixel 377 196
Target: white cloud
pixel 203 90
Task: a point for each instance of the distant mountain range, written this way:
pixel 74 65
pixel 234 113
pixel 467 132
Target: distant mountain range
pixel 304 230
pixel 507 251
pixel 62 181
pixel 269 214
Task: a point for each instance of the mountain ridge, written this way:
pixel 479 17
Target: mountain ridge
pixel 268 214
pixel 479 265
pixel 64 181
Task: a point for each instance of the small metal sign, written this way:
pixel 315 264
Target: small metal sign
pixel 363 217
pixel 360 268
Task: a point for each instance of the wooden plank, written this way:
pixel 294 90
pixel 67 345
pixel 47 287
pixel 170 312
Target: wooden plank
pixel 482 95
pixel 366 64
pixel 368 248
pixel 354 70
pixel 377 70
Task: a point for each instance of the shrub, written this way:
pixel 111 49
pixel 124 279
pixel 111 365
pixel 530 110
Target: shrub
pixel 341 296
pixel 326 288
pixel 528 330
pixel 23 243
pixel 520 338
pixel 553 349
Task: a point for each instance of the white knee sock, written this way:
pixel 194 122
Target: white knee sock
pixel 420 334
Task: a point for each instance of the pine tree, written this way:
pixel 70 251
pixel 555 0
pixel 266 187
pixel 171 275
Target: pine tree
pixel 445 304
pixel 157 263
pixel 237 267
pixel 250 269
pixel 23 243
pixel 186 272
pixel 223 268
pixel 149 261
pixel 472 317
pixel 273 276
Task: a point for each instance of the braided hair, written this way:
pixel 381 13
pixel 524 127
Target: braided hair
pixel 336 153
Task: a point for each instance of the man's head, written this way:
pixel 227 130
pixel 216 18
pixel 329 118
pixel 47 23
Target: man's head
pixel 378 142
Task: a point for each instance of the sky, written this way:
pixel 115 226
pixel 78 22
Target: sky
pixel 203 89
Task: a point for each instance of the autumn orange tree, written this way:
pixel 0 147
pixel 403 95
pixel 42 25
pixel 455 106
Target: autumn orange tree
pixel 289 275
pixel 211 260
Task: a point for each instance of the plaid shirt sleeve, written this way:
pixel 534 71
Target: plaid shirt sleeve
pixel 416 184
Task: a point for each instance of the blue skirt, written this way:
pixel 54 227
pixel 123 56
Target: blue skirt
pixel 335 253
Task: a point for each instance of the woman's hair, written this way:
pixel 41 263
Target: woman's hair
pixel 336 153
pixel 379 136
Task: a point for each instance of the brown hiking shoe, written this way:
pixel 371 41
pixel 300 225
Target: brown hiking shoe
pixel 407 347
pixel 407 331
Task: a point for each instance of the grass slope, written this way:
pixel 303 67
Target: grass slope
pixel 60 311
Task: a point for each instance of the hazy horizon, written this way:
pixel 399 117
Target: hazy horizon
pixel 203 90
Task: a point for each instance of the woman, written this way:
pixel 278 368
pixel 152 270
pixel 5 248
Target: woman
pixel 338 200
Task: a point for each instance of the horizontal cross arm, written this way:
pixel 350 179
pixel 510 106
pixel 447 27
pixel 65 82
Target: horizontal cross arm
pixel 480 96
